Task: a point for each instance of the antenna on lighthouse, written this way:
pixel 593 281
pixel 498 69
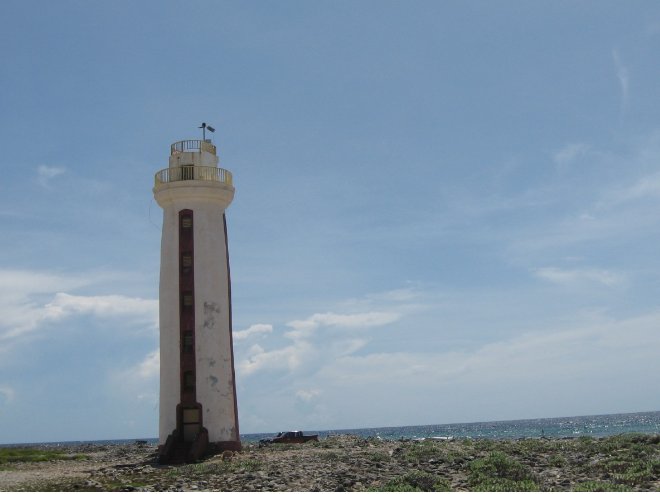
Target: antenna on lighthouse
pixel 205 126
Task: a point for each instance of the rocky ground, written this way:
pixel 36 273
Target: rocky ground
pixel 348 463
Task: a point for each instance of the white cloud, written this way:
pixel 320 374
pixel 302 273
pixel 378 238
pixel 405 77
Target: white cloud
pixel 7 394
pixel 347 321
pixel 30 300
pixel 310 348
pixel 570 153
pixel 577 276
pixel 18 283
pixel 615 203
pixel 290 358
pixel 65 305
pixel 46 173
pixel 343 347
pixel 21 293
pixel 623 77
pixel 138 381
pixel 540 354
pixel 645 187
pixel 149 367
pixel 307 395
pixel 397 296
pixel 338 380
pixel 255 329
pixel 555 371
pixel 401 301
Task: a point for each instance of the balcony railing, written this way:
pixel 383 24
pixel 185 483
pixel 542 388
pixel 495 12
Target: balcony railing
pixel 190 172
pixel 191 145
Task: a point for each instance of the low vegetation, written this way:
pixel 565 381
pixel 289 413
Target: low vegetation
pixel 202 469
pixel 415 481
pixel 629 462
pixel 19 454
pixel 499 473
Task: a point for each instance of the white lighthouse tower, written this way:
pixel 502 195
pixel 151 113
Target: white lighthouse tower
pixel 198 410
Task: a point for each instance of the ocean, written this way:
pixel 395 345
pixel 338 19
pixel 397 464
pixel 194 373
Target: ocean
pixel 589 425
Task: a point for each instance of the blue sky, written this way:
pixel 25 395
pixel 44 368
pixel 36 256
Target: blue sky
pixel 444 212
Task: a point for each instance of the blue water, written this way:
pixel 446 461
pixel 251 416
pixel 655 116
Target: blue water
pixel 591 425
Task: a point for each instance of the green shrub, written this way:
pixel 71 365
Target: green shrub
pixel 415 481
pixel 632 459
pixel 378 457
pixel 248 465
pixel 506 485
pixel 639 472
pixel 530 446
pixel 11 455
pixel 330 456
pixel 498 472
pixel 396 486
pixel 198 469
pixel 195 470
pixel 557 461
pixel 593 486
pixel 421 451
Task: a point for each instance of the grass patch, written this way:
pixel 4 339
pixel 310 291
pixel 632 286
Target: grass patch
pixel 123 485
pixel 196 470
pixel 378 457
pixel 497 473
pixel 631 459
pixel 639 472
pixel 193 470
pixel 12 455
pixel 421 451
pixel 557 461
pixel 592 486
pixel 415 481
pixel 247 465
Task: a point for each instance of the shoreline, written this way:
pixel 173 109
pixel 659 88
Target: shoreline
pixel 628 462
pixel 560 427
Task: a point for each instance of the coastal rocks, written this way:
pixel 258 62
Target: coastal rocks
pixel 347 463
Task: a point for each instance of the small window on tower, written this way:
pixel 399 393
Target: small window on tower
pixel 189 380
pixel 187 300
pixel 186 262
pixel 186 221
pixel 187 342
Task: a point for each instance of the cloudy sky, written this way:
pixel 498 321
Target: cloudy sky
pixel 444 212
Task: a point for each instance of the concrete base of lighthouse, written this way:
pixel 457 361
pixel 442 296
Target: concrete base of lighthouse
pixel 176 451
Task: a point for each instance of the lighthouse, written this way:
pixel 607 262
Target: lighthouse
pixel 198 409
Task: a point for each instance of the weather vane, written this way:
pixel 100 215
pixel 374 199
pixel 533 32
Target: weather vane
pixel 205 126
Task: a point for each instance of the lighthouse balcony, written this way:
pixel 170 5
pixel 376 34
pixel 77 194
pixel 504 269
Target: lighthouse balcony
pixel 192 145
pixel 192 172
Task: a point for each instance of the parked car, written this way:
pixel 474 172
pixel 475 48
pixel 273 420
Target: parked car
pixel 290 437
